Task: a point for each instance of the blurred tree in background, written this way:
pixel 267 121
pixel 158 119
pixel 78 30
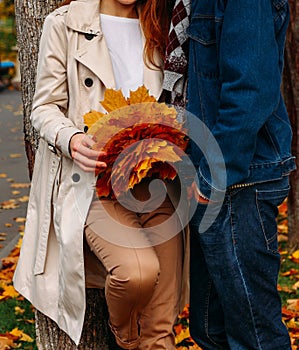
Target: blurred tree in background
pixel 7 30
pixel 7 8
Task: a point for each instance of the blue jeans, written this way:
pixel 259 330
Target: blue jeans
pixel 234 268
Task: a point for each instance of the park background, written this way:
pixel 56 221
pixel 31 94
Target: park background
pixel 23 19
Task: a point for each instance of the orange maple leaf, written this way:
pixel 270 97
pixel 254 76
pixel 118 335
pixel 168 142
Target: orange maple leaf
pixel 92 117
pixel 113 99
pixel 140 95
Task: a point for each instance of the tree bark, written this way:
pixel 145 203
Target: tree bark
pixel 30 15
pixel 50 337
pixel 291 93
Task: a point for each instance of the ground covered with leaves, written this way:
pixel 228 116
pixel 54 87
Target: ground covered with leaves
pixel 17 315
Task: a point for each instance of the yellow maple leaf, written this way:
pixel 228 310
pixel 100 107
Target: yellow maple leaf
pixel 9 291
pixel 154 145
pixel 295 255
pixel 19 310
pixel 142 169
pixel 19 244
pixel 22 336
pixel 168 154
pixel 92 117
pixel 184 334
pixel 140 95
pixel 113 99
pixel 20 185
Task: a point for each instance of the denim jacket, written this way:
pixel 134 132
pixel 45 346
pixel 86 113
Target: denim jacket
pixel 235 71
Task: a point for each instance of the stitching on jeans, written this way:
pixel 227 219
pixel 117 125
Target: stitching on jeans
pixel 207 312
pixel 270 240
pixel 241 275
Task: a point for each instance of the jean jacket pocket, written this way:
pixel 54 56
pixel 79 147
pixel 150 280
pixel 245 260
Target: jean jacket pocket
pixel 203 32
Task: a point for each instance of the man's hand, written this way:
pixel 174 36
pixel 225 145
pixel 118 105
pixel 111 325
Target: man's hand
pixel 84 156
pixel 195 192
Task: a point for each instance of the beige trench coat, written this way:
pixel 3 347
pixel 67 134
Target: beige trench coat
pixel 73 71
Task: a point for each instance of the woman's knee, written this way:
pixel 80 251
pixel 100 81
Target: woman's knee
pixel 140 272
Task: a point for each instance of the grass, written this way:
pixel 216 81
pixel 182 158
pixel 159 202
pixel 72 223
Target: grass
pixel 16 312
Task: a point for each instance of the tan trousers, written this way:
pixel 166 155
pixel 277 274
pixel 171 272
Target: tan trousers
pixel 143 281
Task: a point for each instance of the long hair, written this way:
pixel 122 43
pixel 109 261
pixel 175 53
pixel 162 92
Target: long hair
pixel 154 17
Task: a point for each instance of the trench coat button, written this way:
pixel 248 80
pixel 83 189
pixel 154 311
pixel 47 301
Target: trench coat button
pixel 76 177
pixel 88 82
pixel 52 148
pixel 85 128
pixel 88 36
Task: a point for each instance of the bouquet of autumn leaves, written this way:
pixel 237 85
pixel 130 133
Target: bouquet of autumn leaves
pixel 141 137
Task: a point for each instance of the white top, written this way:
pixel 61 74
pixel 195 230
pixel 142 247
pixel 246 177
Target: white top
pixel 124 41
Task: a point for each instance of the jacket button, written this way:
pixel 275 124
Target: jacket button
pixel 85 128
pixel 88 82
pixel 89 36
pixel 76 177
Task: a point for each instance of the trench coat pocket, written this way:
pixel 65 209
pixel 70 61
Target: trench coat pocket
pixel 47 212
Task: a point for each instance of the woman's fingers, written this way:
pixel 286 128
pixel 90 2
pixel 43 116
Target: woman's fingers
pixel 88 164
pixel 87 158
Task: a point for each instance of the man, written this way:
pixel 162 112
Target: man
pixel 235 68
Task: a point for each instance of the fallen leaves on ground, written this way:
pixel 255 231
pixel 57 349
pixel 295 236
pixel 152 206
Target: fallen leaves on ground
pixel 13 338
pixel 20 185
pixel 9 339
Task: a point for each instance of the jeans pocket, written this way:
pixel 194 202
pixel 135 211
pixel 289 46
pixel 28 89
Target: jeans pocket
pixel 267 202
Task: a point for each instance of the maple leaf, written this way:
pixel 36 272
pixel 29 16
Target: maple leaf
pixel 184 334
pixel 15 155
pixel 19 310
pixel 22 336
pixel 8 292
pixel 20 185
pixel 128 121
pixel 295 256
pixel 9 204
pixel 7 341
pixel 113 99
pixel 140 95
pixel 92 117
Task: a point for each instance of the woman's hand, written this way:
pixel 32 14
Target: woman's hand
pixel 84 156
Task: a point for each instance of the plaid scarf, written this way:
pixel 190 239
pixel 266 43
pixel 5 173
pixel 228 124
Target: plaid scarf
pixel 175 66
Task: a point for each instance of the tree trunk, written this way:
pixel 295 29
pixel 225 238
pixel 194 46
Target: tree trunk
pixel 291 92
pixel 30 15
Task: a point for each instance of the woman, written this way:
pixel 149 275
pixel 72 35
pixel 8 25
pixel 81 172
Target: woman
pixel 86 47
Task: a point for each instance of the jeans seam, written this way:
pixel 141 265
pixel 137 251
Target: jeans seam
pixel 207 313
pixel 241 274
pixel 263 227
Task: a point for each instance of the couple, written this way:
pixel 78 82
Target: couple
pixel 235 58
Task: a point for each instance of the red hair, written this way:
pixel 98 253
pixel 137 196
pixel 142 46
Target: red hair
pixel 155 19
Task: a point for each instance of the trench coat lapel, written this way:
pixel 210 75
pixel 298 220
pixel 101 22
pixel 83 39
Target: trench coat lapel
pixel 103 68
pixel 83 17
pixel 95 56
